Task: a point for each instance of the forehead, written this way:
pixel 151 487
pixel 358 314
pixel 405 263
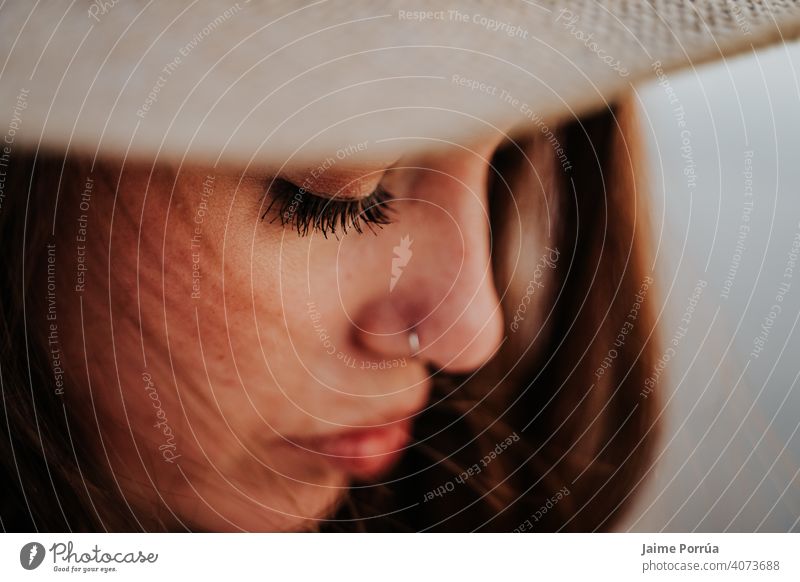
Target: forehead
pixel 356 170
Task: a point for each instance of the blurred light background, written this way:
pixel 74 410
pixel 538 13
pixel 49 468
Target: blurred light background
pixel 730 454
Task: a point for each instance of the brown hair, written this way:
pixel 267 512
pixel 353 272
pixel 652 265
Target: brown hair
pixel 553 434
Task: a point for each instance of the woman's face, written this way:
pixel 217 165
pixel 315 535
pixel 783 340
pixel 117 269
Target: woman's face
pixel 244 375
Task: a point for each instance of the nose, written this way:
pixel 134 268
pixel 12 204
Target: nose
pixel 440 303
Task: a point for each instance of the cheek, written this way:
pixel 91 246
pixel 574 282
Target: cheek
pixel 243 339
pixel 217 308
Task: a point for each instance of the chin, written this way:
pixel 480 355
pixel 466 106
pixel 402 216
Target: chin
pixel 282 506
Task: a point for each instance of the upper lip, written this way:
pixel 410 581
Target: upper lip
pixel 382 421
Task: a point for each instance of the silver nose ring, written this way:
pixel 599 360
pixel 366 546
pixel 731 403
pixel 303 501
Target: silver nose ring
pixel 413 342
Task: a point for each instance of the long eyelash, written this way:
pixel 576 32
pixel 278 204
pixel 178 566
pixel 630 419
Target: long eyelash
pixel 306 212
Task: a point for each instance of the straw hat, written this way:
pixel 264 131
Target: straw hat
pixel 260 82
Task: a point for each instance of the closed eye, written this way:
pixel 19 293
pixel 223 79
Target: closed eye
pixel 306 212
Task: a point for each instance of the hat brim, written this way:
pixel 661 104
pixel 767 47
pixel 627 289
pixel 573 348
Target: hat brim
pixel 251 83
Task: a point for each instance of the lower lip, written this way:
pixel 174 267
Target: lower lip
pixel 364 454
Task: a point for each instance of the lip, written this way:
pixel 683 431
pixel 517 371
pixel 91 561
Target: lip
pixel 362 453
